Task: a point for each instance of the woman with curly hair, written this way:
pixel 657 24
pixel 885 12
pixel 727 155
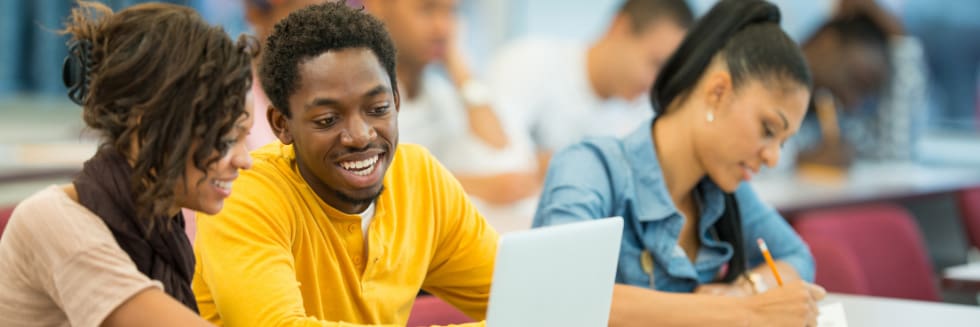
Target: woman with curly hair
pixel 166 91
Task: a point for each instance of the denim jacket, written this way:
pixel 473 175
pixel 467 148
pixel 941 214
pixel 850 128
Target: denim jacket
pixel 605 177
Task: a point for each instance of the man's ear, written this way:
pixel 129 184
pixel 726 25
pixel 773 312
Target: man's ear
pixel 279 124
pixel 398 101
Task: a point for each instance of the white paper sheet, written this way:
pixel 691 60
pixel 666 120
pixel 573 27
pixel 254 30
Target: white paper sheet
pixel 832 315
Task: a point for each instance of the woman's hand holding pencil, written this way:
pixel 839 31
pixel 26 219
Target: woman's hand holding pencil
pixel 793 303
pixel 769 261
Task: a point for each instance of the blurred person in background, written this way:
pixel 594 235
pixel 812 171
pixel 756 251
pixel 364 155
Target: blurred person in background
pixel 552 94
pixel 548 94
pixel 851 64
pixel 851 56
pixel 447 110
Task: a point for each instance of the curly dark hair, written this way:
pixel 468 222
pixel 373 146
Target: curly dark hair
pixel 165 82
pixel 312 31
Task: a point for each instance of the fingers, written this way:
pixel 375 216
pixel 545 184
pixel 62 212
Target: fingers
pixel 817 292
pixel 806 296
pixel 794 304
pixel 814 309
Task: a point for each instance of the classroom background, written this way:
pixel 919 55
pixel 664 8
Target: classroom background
pixel 914 194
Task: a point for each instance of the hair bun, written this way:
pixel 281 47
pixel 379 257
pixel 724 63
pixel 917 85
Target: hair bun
pixel 76 69
pixel 762 12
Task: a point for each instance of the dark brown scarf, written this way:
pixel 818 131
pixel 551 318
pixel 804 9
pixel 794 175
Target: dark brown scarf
pixel 163 253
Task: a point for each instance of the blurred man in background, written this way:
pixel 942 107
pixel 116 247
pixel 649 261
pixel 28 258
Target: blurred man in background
pixel 446 109
pixel 552 94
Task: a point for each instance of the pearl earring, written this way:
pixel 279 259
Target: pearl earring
pixel 711 116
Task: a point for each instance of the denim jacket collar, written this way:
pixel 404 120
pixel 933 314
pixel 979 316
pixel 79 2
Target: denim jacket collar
pixel 646 171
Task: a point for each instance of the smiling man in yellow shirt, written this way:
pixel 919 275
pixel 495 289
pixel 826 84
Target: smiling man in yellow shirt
pixel 337 224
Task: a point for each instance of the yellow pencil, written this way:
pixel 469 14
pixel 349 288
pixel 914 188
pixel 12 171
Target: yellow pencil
pixel 769 261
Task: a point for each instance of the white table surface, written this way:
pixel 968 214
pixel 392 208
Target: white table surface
pixel 945 163
pixel 866 311
pixel 966 272
pixel 866 181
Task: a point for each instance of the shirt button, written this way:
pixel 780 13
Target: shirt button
pixel 352 228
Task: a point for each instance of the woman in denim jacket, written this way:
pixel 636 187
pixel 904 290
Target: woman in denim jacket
pixel 734 91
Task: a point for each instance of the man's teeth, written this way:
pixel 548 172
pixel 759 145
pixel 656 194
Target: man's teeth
pixel 360 167
pixel 223 185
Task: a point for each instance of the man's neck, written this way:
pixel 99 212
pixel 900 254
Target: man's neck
pixel 595 60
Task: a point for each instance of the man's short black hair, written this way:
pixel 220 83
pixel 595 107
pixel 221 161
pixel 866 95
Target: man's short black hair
pixel 644 12
pixel 312 31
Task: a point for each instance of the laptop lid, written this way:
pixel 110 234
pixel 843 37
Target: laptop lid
pixel 556 276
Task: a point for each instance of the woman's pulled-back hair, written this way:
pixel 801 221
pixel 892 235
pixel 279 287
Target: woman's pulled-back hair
pixel 747 34
pixel 159 79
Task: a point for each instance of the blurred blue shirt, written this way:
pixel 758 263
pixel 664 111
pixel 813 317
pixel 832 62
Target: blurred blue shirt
pixel 605 177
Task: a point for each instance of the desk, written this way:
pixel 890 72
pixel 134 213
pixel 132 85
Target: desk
pixel 946 163
pixel 962 278
pixel 867 181
pixel 862 311
pixel 27 168
pixel 42 141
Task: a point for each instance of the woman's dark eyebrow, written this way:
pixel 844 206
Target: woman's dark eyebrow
pixel 785 121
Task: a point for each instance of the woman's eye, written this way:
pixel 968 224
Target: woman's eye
pixel 767 132
pixel 226 145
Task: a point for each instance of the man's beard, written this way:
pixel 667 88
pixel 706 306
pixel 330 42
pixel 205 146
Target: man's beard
pixel 361 201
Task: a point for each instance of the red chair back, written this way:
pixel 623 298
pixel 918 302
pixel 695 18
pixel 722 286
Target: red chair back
pixel 885 242
pixel 838 268
pixel 5 212
pixel 430 310
pixel 969 203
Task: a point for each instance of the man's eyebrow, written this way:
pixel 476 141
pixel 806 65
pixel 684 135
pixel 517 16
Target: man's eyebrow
pixel 322 102
pixel 377 90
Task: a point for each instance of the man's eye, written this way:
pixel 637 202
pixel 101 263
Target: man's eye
pixel 380 110
pixel 326 122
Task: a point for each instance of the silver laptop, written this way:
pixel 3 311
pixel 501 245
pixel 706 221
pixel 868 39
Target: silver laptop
pixel 556 276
